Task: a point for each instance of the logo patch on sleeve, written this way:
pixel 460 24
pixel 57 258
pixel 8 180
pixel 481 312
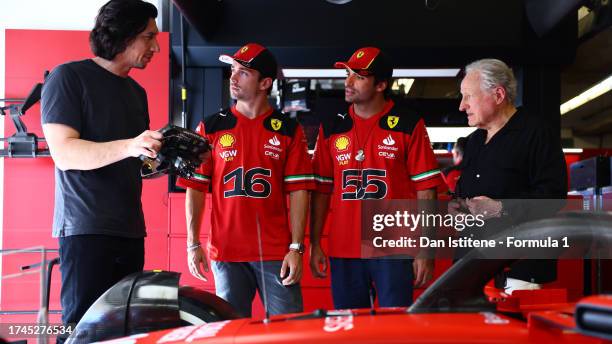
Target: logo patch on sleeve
pixel 276 124
pixel 392 121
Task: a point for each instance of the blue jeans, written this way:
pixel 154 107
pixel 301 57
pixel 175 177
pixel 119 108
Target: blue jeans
pixel 352 279
pixel 236 282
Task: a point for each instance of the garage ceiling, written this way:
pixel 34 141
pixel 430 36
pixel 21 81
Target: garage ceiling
pixel 593 64
pixel 452 32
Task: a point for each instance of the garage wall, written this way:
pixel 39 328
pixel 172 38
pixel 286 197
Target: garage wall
pixel 48 15
pixel 29 183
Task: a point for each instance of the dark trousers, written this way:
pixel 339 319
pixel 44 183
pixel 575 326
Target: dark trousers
pixel 352 279
pixel 90 265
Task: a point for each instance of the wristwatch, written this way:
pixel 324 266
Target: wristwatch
pixel 297 247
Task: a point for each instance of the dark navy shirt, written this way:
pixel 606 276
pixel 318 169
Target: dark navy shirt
pixel 102 107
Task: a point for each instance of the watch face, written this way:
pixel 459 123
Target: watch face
pixel 297 247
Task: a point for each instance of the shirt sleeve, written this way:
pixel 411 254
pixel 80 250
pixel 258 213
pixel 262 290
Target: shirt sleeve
pixel 322 164
pixel 202 175
pixel 421 162
pixel 548 169
pixel 61 98
pixel 547 180
pixel 298 174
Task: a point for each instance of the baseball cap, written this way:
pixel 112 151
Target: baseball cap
pixel 368 61
pixel 254 56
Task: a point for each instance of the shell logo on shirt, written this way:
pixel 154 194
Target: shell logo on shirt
pixel 226 140
pixel 392 121
pixel 342 143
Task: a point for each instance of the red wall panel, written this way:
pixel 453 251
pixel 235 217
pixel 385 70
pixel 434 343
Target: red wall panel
pixel 29 183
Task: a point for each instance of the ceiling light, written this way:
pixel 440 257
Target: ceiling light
pixel 307 73
pixel 440 151
pixel 339 2
pixel 448 134
pixel 405 82
pixel 587 95
pixel 426 73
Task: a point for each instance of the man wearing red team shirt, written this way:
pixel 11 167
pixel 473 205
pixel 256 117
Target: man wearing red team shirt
pixel 259 156
pixel 371 152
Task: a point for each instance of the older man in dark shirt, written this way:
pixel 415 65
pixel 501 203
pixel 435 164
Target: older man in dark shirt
pixel 512 156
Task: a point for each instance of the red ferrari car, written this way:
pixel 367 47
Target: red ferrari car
pixel 457 308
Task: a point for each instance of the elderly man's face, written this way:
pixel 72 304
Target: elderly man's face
pixel 480 106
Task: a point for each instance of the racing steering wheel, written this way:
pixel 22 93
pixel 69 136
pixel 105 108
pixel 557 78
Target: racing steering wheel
pixel 179 155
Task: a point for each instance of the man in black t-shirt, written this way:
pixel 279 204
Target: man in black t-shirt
pixel 95 119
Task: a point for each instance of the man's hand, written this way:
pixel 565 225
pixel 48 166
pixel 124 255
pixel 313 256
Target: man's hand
pixel 196 259
pixel 485 206
pixel 147 143
pixel 318 260
pixel 293 262
pixel 457 206
pixel 423 271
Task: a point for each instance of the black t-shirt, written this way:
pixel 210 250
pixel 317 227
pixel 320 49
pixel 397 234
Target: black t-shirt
pixel 523 161
pixel 102 107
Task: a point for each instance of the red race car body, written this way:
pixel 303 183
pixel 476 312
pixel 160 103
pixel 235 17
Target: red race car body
pixel 385 326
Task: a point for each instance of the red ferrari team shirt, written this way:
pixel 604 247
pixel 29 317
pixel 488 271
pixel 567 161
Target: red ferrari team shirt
pixel 254 164
pixel 387 156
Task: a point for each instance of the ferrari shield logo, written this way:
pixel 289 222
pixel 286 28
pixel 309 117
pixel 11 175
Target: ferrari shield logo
pixel 392 121
pixel 276 123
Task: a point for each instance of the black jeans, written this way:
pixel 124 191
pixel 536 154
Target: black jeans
pixel 90 265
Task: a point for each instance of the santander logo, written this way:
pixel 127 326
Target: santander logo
pixel 389 141
pixel 274 141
